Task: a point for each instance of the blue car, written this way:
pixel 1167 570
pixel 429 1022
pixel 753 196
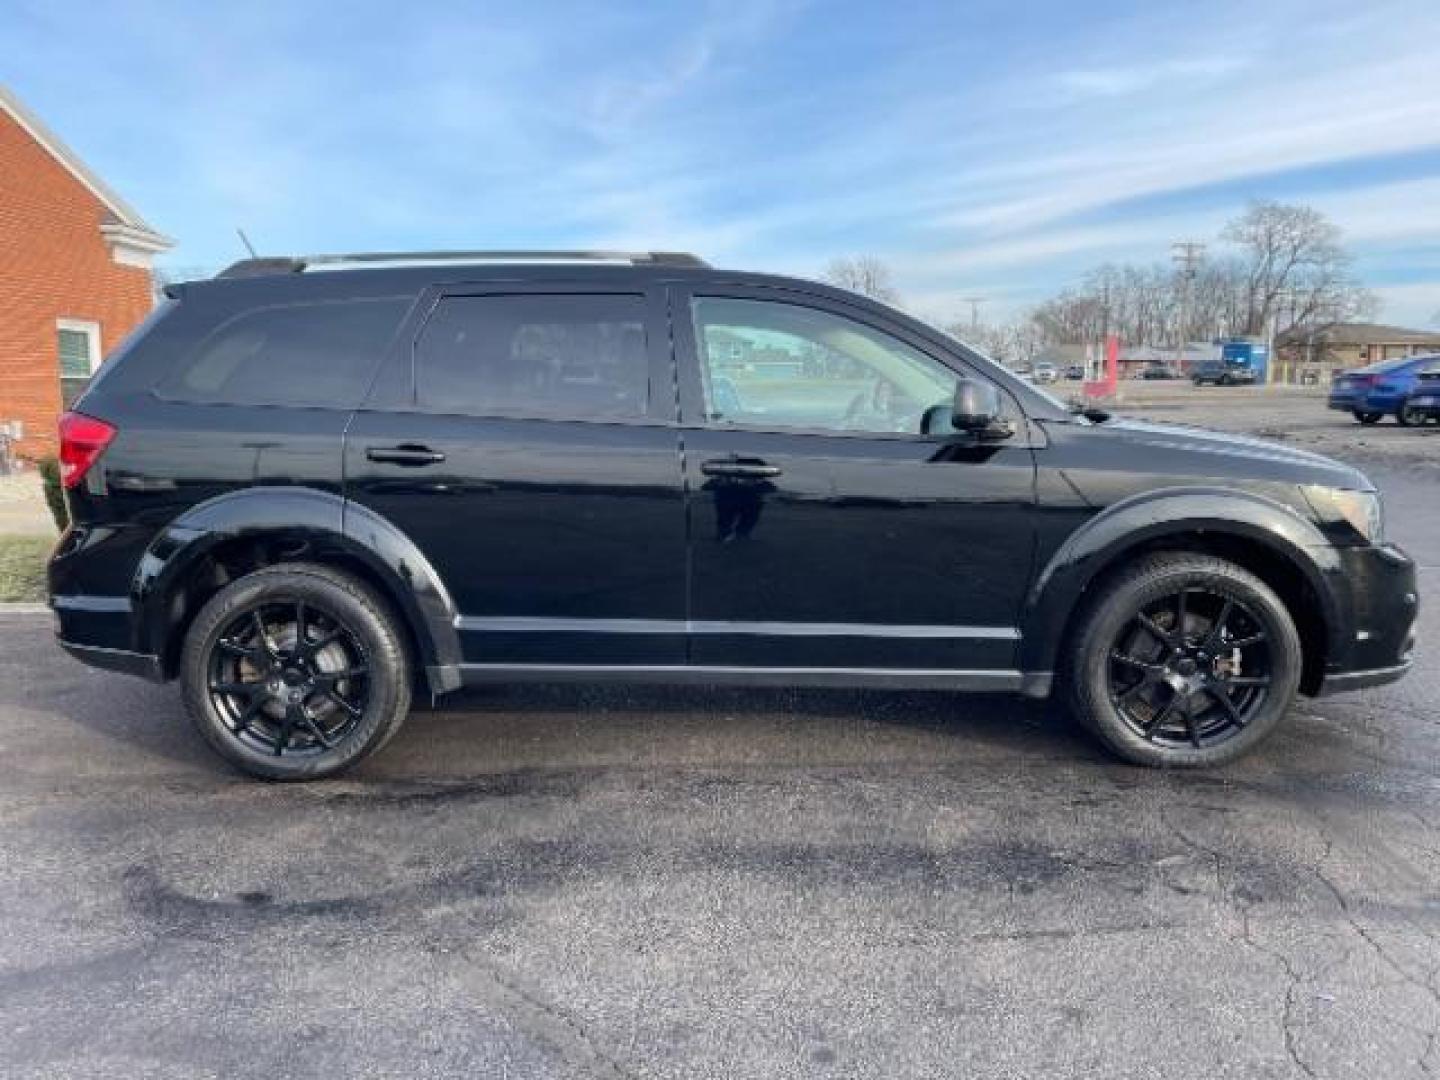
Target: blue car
pixel 1371 393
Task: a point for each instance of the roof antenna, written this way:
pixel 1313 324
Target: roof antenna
pixel 246 241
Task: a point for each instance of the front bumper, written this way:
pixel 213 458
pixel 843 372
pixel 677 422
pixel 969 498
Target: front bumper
pixel 1344 681
pixel 1379 602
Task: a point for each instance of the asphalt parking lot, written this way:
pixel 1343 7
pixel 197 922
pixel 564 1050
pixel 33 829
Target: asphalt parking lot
pixel 570 881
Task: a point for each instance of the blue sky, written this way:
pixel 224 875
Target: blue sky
pixel 982 148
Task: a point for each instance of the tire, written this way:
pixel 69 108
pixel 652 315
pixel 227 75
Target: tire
pixel 1408 416
pixel 352 676
pixel 1191 729
pixel 1368 418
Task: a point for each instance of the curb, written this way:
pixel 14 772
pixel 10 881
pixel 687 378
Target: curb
pixel 24 609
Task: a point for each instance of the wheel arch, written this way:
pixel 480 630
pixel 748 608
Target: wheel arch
pixel 1265 537
pixel 225 537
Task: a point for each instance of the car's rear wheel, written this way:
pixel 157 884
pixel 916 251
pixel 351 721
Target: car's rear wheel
pixel 295 672
pixel 1409 416
pixel 1368 417
pixel 1184 661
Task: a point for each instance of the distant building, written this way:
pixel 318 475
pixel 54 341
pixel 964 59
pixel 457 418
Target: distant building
pixel 74 274
pixel 1334 346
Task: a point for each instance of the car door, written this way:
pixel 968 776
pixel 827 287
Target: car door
pixel 524 439
pixel 830 527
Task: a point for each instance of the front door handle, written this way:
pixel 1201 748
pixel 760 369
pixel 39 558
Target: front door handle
pixel 749 468
pixel 404 454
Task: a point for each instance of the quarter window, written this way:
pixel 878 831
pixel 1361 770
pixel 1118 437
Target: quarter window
pixel 576 356
pixel 771 364
pixel 317 355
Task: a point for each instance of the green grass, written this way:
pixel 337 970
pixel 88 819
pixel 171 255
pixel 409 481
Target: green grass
pixel 22 567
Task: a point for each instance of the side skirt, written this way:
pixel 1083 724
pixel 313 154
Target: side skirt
pixel 1032 684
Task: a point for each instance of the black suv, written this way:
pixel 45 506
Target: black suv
pixel 309 491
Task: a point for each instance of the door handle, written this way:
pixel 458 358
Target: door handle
pixel 404 454
pixel 749 468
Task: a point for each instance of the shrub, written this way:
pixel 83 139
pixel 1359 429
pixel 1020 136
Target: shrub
pixel 54 493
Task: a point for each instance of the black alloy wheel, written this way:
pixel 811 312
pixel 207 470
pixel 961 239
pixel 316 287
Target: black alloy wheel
pixel 1182 660
pixel 296 671
pixel 1192 668
pixel 288 678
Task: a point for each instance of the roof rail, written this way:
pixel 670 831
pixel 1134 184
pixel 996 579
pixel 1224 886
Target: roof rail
pixel 296 264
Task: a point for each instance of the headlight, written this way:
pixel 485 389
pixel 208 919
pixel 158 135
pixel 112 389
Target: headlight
pixel 1337 507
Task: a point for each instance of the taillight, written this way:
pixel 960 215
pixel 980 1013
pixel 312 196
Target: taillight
pixel 82 440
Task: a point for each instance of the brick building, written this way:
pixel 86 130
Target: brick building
pixel 1350 345
pixel 74 274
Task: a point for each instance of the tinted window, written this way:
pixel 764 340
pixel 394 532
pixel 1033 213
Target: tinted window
pixel 571 356
pixel 307 355
pixel 772 364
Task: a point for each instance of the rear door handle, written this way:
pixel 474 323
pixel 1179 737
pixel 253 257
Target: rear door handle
pixel 749 468
pixel 404 454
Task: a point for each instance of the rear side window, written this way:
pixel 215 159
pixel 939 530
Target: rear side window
pixel 573 356
pixel 319 355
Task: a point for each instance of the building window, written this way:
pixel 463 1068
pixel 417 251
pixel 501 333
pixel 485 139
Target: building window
pixel 78 342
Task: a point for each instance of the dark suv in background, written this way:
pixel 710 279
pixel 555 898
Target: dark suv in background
pixel 308 491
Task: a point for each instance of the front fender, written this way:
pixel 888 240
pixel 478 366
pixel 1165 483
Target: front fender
pixel 326 526
pixel 1104 541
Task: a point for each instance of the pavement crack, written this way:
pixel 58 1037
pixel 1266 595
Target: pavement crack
pixel 1427 984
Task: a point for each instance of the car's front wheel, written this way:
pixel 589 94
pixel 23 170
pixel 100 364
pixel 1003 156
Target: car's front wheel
pixel 1369 417
pixel 1409 416
pixel 1183 661
pixel 295 672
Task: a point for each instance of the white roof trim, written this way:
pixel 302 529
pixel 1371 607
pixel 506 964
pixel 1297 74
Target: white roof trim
pixel 138 231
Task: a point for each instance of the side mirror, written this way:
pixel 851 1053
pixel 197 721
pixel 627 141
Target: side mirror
pixel 977 411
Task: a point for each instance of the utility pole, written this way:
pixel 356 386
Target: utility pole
pixel 1186 255
pixel 974 302
pixel 1274 373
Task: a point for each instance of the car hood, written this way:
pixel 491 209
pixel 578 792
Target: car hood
pixel 1202 452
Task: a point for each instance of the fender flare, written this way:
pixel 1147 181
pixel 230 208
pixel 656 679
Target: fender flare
pixel 1096 546
pixel 329 524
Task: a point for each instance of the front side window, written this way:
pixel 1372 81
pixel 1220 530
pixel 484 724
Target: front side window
pixel 318 355
pixel 777 365
pixel 573 356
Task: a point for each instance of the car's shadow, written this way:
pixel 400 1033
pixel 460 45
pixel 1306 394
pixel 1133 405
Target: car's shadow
pixel 716 727
pixel 480 731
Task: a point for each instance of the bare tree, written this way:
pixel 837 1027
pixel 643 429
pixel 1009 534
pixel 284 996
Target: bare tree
pixel 1018 342
pixel 864 274
pixel 1288 269
pixel 1293 252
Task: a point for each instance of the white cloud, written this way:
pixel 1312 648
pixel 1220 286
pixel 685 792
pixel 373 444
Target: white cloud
pixel 1131 78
